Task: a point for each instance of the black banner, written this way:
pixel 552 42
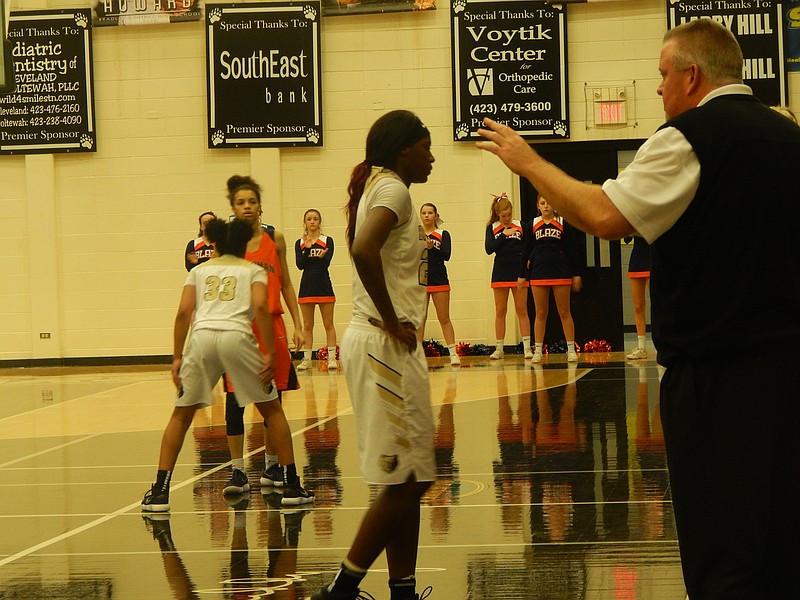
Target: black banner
pixel 510 64
pixel 759 29
pixel 145 12
pixel 264 75
pixel 52 108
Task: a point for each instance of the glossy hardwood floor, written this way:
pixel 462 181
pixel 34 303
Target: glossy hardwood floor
pixel 553 485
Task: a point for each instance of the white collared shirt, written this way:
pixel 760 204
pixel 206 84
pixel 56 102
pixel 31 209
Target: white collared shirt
pixel 657 187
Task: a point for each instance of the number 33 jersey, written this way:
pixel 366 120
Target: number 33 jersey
pixel 223 293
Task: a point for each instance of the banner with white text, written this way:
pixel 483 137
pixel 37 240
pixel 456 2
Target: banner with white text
pixel 145 12
pixel 758 27
pixel 52 107
pixel 264 75
pixel 510 64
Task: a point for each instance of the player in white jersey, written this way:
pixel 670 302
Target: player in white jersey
pixel 226 294
pixel 384 365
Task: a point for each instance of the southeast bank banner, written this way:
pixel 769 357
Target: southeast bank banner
pixel 264 75
pixel 758 27
pixel 145 12
pixel 510 64
pixel 52 108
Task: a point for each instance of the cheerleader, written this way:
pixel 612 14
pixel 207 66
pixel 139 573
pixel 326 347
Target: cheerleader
pixel 199 250
pixel 437 242
pixel 504 240
pixel 639 274
pixel 548 267
pixel 313 254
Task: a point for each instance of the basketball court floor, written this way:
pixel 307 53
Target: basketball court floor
pixel 552 485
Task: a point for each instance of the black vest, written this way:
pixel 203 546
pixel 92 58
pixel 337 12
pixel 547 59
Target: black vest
pixel 726 277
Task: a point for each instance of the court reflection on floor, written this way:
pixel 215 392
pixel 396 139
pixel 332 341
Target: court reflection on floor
pixel 551 484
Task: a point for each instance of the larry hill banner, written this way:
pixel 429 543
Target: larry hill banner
pixel 264 75
pixel 510 64
pixel 758 27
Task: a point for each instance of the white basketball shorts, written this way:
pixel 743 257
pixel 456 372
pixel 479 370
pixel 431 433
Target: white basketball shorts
pixel 391 402
pixel 209 354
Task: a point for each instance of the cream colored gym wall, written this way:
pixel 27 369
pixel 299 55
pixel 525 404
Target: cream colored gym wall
pixel 117 220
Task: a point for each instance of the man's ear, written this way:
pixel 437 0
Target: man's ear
pixel 695 79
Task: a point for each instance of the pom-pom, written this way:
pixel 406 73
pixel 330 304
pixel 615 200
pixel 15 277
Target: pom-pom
pixel 322 353
pixel 433 348
pixel 467 349
pixel 597 346
pixel 476 349
pixel 597 351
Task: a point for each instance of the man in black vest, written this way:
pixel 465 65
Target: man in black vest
pixel 715 191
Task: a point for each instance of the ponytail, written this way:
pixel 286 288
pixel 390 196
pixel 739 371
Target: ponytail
pixel 355 190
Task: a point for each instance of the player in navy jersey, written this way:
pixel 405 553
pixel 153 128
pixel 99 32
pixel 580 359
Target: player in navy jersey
pixel 548 266
pixel 437 242
pixel 639 274
pixel 199 250
pixel 313 254
pixel 504 240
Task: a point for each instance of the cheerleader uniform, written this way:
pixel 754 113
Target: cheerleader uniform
pixel 639 265
pixel 507 253
pixel 315 284
pixel 437 255
pixel 199 248
pixel 545 255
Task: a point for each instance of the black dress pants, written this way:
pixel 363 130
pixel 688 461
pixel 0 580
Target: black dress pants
pixel 732 432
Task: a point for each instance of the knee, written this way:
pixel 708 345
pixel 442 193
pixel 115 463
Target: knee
pixel 234 416
pixel 183 416
pixel 269 409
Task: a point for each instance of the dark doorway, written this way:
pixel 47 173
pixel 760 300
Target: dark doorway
pixel 597 309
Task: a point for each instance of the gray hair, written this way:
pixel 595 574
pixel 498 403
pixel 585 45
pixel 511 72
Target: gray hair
pixel 710 46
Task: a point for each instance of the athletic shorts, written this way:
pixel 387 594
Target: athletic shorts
pixel 285 375
pixel 391 402
pixel 209 354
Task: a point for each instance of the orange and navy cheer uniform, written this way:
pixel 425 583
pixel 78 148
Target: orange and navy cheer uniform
pixel 199 248
pixel 437 255
pixel 315 284
pixel 639 265
pixel 507 252
pixel 546 259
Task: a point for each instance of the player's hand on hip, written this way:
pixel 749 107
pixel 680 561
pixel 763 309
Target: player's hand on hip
pixel 406 334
